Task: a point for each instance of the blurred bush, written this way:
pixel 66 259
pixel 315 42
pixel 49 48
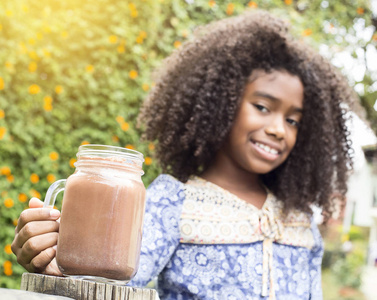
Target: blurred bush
pixel 348 269
pixel 75 72
pixel 343 261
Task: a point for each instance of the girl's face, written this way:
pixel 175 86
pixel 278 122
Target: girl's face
pixel 265 129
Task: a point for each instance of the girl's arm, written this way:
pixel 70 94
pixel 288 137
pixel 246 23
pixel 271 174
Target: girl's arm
pixel 161 227
pixel 315 264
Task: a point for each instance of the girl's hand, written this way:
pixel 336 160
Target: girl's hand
pixel 36 238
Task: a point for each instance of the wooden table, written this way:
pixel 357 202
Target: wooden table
pixel 83 289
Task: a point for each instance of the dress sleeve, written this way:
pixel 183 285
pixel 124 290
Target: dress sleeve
pixel 161 235
pixel 315 264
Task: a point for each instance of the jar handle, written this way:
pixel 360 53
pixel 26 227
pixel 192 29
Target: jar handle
pixel 53 191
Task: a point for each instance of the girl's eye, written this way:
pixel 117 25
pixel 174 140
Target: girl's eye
pixel 293 122
pixel 261 108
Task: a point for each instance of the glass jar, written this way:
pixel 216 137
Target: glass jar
pixel 102 214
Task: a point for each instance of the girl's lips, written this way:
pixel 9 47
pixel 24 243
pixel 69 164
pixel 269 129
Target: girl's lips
pixel 265 151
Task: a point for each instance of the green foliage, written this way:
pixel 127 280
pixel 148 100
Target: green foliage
pixel 342 263
pixel 348 270
pixel 358 233
pixel 77 71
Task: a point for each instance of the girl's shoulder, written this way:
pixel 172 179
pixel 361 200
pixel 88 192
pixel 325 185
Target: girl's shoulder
pixel 167 188
pixel 164 180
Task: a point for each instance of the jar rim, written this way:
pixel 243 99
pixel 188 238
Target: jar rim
pixel 98 150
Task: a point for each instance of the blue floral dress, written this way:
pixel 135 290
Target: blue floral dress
pixel 205 243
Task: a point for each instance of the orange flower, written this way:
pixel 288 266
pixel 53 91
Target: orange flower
pixel 148 161
pixel 47 103
pixel 33 55
pixel 7 264
pixel 8 202
pixel 7 268
pixel 151 146
pixel 8 249
pixel 307 32
pixel 34 89
pixel 47 107
pixel 89 68
pixel 134 14
pixel 15 222
pixel 59 89
pixel 121 49
pixel 212 3
pixel 230 9
pixel 3 131
pixel 2 85
pixel 177 44
pixel 8 272
pixel 133 10
pixel 145 87
pixel 129 146
pixel 119 119
pixel 113 39
pixel 85 143
pixel 72 162
pixel 54 155
pixel 22 197
pixel 253 4
pixel 10 178
pixel 33 67
pixel 125 126
pixel 34 178
pixel 133 74
pixel 5 171
pixel 35 194
pixel 47 99
pixel 115 139
pixel 51 178
pixel 374 37
pixel 2 114
pixel 360 11
pixel 139 40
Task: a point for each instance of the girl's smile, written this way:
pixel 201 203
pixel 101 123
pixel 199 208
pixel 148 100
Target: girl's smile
pixel 267 152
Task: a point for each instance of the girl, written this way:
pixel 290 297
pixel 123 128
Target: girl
pixel 251 129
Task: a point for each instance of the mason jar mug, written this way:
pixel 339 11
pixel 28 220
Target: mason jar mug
pixel 102 214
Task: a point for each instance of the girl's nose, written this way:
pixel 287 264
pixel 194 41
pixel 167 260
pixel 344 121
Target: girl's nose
pixel 276 128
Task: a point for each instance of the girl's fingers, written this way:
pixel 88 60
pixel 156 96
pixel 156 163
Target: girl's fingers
pixel 33 229
pixel 36 214
pixel 43 262
pixel 34 246
pixel 35 203
pixel 52 269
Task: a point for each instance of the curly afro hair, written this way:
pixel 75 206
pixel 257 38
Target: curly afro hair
pixel 198 91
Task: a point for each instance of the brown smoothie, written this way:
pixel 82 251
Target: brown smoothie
pixel 101 222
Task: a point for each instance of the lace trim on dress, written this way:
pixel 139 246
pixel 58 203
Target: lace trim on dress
pixel 212 215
